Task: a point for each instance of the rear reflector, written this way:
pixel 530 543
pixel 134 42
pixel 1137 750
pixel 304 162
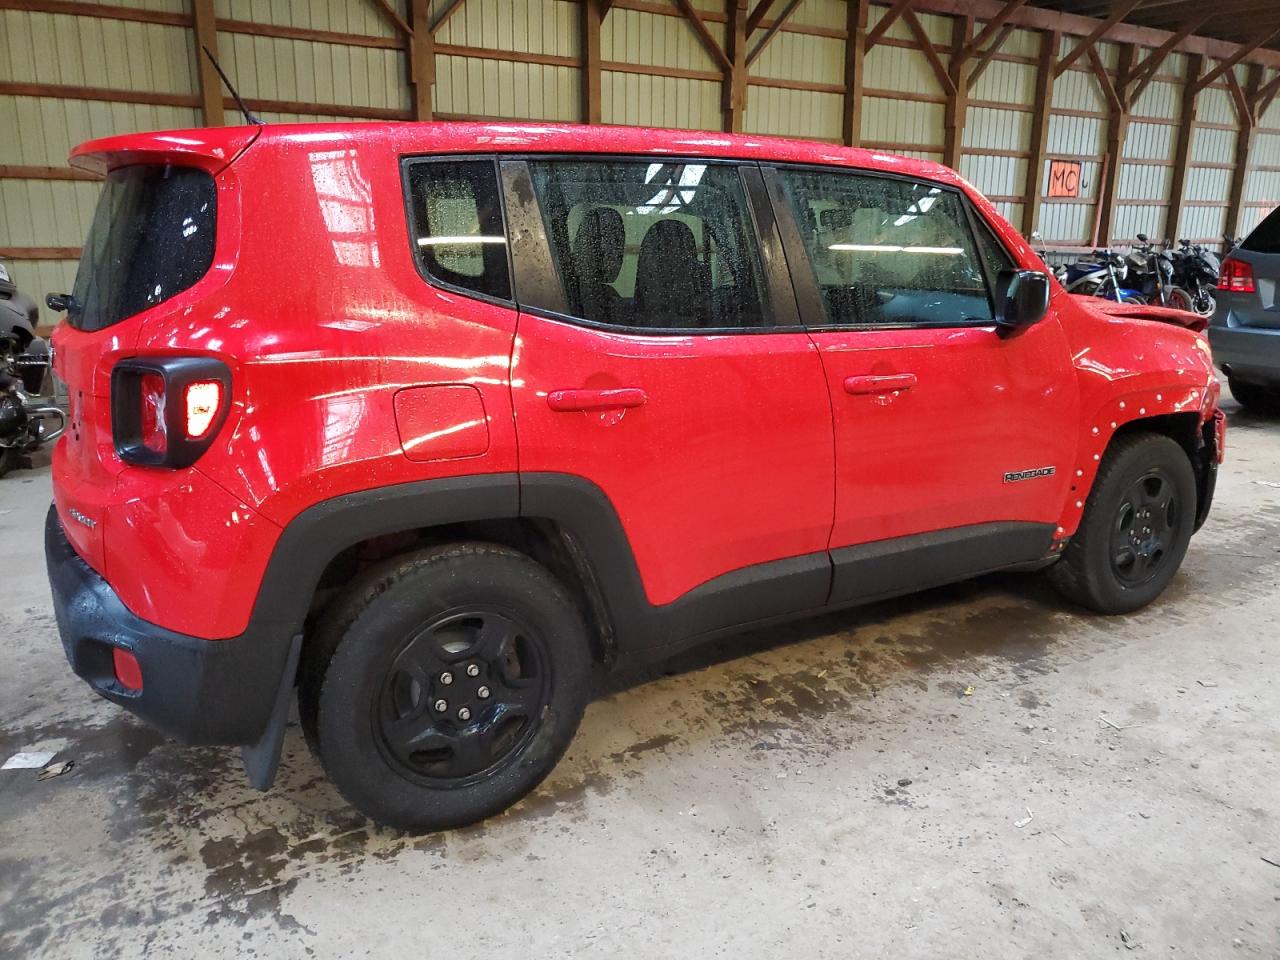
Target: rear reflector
pixel 1236 276
pixel 128 670
pixel 152 396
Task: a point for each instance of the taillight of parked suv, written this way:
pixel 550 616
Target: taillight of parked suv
pixel 1236 276
pixel 165 411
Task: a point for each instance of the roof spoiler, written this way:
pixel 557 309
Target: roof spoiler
pixel 213 148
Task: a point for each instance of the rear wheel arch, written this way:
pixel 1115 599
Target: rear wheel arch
pixel 569 526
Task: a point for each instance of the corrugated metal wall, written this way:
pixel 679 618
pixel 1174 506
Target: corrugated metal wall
pixel 72 74
pixel 1212 158
pixel 1262 184
pixel 1146 169
pixel 632 41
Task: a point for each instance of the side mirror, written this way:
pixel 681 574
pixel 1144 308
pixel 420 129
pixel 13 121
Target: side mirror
pixel 1025 301
pixel 1142 238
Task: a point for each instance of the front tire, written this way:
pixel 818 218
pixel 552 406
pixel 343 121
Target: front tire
pixel 450 687
pixel 1136 527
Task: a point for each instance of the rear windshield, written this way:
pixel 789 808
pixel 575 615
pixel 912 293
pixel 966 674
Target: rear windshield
pixel 152 237
pixel 1266 235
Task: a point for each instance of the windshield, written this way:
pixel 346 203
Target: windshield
pixel 152 237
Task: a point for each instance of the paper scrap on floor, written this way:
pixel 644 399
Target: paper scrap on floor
pixel 29 760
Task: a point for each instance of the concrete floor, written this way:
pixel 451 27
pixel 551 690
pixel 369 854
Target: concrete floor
pixel 830 789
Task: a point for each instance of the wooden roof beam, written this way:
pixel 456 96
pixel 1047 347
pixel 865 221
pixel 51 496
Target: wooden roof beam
pixel 445 14
pixel 987 54
pixel 1266 93
pixel 757 15
pixel 887 21
pixel 1122 10
pixel 1229 63
pixel 393 15
pixel 772 32
pixel 1150 65
pixel 1114 100
pixel 1072 25
pixel 994 25
pixel 926 45
pixel 704 36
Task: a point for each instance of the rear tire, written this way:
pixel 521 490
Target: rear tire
pixel 1136 527
pixel 446 685
pixel 1254 396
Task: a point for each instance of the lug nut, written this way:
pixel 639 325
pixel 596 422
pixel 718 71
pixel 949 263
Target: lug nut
pixel 441 706
pixel 483 693
pixel 473 670
pixel 446 678
pixel 464 714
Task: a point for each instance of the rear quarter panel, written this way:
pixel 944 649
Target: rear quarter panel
pixel 329 319
pixel 322 318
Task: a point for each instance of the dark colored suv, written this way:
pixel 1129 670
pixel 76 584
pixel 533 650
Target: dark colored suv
pixel 434 421
pixel 1245 331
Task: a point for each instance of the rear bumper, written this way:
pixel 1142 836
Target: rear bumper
pixel 200 691
pixel 1251 354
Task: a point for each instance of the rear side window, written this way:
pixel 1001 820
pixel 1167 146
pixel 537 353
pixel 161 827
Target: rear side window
pixel 888 251
pixel 152 237
pixel 652 245
pixel 457 230
pixel 1266 235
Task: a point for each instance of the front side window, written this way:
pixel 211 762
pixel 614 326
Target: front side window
pixel 888 251
pixel 456 225
pixel 152 237
pixel 652 245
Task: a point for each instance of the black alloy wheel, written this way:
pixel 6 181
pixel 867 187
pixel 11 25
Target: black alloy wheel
pixel 1146 524
pixel 462 697
pixel 444 684
pixel 1138 518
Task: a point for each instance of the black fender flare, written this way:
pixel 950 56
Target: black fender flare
pixel 322 531
pixel 581 510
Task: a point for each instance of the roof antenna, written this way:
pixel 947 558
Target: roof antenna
pixel 249 117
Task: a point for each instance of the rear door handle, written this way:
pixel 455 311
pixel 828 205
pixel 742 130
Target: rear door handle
pixel 564 401
pixel 884 383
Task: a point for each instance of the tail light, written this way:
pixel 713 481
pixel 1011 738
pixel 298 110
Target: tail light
pixel 1236 276
pixel 165 411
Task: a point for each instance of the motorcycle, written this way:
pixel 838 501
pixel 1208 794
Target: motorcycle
pixel 25 416
pixel 1151 270
pixel 1100 276
pixel 1195 270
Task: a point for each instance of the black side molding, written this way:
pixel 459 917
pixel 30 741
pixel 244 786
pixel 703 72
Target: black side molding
pixel 890 568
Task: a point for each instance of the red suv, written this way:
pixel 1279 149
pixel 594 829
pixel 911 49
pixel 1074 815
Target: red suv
pixel 434 420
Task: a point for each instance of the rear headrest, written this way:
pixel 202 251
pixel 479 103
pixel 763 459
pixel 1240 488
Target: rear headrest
pixel 670 287
pixel 599 244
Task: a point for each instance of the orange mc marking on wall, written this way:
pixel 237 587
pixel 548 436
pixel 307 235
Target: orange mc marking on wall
pixel 1064 178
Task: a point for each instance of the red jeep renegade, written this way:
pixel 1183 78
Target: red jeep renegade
pixel 431 421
